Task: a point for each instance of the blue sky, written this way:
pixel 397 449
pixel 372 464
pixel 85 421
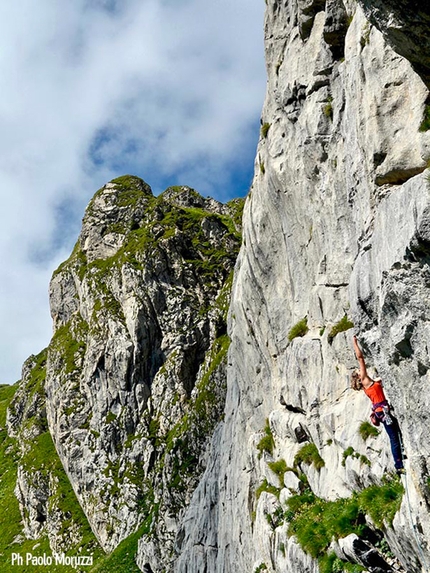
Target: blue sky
pixel 167 90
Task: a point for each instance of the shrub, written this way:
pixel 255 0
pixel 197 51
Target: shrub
pixel 343 324
pixel 265 129
pixel 265 486
pixel 425 124
pixel 367 430
pixel 299 329
pixel 382 502
pixel 309 454
pixel 349 452
pixel 332 564
pixel 328 109
pixel 316 522
pixel 279 468
pixel 267 443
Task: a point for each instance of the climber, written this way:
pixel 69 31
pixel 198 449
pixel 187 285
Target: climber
pixel 380 408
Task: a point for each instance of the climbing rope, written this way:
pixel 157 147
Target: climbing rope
pixel 414 527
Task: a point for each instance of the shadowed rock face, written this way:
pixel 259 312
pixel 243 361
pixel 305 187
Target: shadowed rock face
pixel 405 26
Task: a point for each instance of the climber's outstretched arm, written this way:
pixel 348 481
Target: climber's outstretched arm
pixel 360 357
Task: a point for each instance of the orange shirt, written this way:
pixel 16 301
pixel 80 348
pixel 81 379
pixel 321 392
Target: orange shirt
pixel 376 394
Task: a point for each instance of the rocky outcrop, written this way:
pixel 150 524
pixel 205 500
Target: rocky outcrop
pixel 135 374
pixel 405 26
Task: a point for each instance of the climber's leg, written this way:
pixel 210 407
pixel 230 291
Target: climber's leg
pixel 396 448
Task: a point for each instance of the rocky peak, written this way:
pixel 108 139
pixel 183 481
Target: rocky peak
pixel 132 384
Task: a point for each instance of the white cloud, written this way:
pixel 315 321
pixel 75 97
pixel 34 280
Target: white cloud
pixel 91 89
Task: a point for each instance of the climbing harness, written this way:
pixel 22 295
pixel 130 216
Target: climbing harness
pixel 414 527
pixel 387 418
pixel 383 415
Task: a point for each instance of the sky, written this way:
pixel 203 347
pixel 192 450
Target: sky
pixel 169 90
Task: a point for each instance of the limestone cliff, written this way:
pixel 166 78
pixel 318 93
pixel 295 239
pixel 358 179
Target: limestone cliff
pixel 335 234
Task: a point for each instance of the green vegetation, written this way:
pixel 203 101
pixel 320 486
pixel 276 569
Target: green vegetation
pixel 38 372
pixel 267 443
pixel 206 401
pixel 309 454
pixel 364 40
pixel 367 430
pixel 40 461
pixel 260 568
pixel 332 564
pixel 350 452
pixel 122 559
pixel 162 221
pixel 299 329
pixel 328 108
pixel 182 444
pixel 265 486
pixel 382 503
pixel 69 342
pixel 315 522
pixel 265 130
pixel 425 124
pixel 262 168
pixel 279 468
pixel 236 209
pixel 341 326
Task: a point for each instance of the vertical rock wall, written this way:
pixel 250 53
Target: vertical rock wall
pixel 335 229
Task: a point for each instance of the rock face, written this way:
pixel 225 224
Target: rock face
pixel 335 234
pixel 262 458
pixel 405 26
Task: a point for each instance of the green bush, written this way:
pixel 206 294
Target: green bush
pixel 309 454
pixel 382 502
pixel 350 452
pixel 328 109
pixel 316 522
pixel 265 486
pixel 267 443
pixel 299 329
pixel 425 124
pixel 332 564
pixel 367 430
pixel 343 324
pixel 279 468
pixel 265 129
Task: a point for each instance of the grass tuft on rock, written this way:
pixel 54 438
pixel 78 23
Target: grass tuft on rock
pixel 299 329
pixel 341 326
pixel 267 443
pixel 367 430
pixel 309 454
